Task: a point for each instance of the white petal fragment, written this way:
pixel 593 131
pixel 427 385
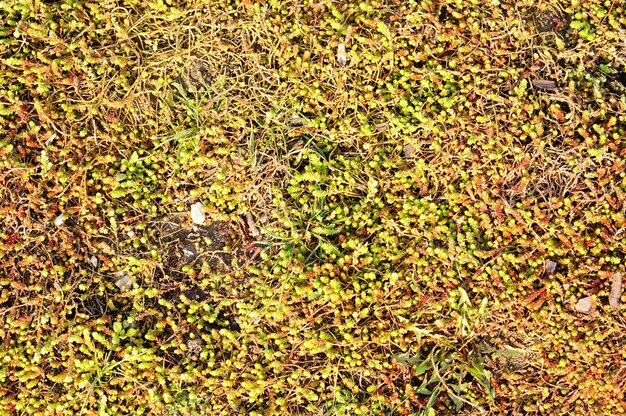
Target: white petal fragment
pixel 197 213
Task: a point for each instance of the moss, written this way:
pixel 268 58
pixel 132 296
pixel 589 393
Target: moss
pixel 377 222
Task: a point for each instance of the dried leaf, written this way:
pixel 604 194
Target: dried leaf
pixel 254 231
pixel 544 84
pixel 616 290
pixel 584 305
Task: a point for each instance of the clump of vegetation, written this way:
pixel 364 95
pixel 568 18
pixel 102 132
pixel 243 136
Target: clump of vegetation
pixel 402 207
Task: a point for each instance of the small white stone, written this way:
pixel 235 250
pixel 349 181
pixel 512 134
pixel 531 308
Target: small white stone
pixel 296 120
pixel 93 260
pixel 195 346
pixel 197 213
pixel 341 54
pixel 130 233
pixel 584 305
pixel 549 266
pixel 58 221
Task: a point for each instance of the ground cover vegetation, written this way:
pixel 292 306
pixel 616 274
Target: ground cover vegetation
pixel 400 207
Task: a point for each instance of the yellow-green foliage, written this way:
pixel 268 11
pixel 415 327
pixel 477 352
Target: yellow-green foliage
pixel 378 224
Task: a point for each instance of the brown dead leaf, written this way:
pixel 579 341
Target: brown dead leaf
pixel 616 290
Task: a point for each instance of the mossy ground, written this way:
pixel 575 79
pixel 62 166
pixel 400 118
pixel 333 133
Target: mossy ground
pixel 378 223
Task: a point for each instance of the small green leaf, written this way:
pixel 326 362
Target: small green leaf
pixel 431 401
pixel 423 367
pixel 464 297
pixel 483 307
pixel 607 69
pixel 383 28
pixel 117 193
pixel 402 359
pixel 457 402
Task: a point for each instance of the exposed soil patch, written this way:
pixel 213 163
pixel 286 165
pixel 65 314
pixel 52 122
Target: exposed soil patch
pixel 548 21
pixel 95 306
pixel 196 77
pixel 191 245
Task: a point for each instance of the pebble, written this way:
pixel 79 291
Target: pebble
pixel 197 213
pixel 549 266
pixel 584 305
pixel 58 221
pixel 341 54
pixel 124 281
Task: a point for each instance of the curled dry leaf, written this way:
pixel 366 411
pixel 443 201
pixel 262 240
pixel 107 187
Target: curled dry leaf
pixel 616 290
